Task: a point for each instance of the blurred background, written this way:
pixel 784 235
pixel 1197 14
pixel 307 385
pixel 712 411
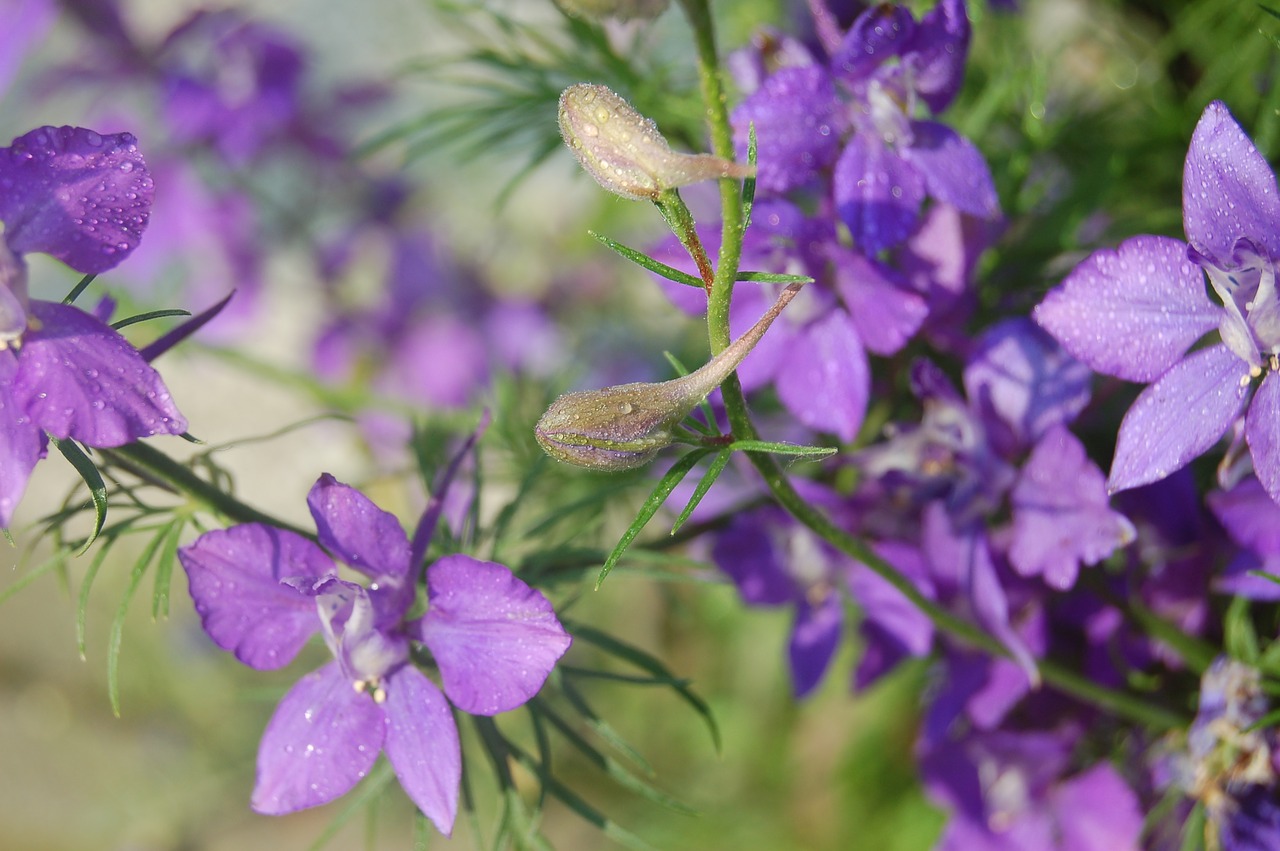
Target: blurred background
pixel 405 245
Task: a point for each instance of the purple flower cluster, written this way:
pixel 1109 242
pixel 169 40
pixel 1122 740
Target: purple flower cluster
pixel 262 593
pixel 85 199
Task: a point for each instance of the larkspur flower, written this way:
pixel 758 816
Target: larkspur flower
pixel 1133 312
pixel 83 198
pixel 854 117
pixel 262 592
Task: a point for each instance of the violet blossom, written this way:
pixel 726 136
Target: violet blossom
pixel 83 198
pixel 1134 311
pixel 856 116
pixel 262 592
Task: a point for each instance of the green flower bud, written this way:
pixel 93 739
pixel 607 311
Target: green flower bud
pixel 623 10
pixel 624 151
pixel 619 428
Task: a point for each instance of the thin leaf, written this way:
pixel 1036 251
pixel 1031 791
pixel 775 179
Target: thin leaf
pixel 749 185
pixel 777 448
pixel 1272 12
pixel 774 278
pixel 373 786
pixel 167 341
pixel 650 507
pixel 32 575
pixel 144 317
pixel 603 729
pixel 164 570
pixel 613 768
pixel 708 479
pixel 92 480
pixel 646 662
pixel 647 262
pixel 116 636
pixel 78 289
pixel 82 608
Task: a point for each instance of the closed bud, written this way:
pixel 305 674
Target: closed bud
pixel 622 10
pixel 619 428
pixel 624 151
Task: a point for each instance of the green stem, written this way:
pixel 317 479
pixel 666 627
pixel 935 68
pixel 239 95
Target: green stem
pixel 720 297
pixel 155 463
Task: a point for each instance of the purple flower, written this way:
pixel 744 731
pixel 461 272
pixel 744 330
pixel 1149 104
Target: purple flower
pixel 1134 311
pixel 85 199
pixel 854 118
pixel 262 592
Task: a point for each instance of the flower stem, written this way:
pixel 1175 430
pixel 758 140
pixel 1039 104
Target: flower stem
pixel 720 297
pixel 141 457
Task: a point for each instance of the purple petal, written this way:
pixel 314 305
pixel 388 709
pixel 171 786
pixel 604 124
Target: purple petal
pixel 1179 417
pixel 1061 518
pixel 79 378
pixel 1131 312
pixel 1262 430
pixel 825 379
pixel 79 196
pixel 877 35
pixel 941 47
pixel 814 638
pixel 892 626
pixel 356 531
pixel 798 127
pixel 422 745
pixel 884 311
pixel 1023 378
pixel 22 444
pixel 1249 515
pixel 323 738
pixel 1097 810
pixel 877 192
pixel 747 554
pixel 955 172
pixel 1228 190
pixel 494 638
pixel 234 576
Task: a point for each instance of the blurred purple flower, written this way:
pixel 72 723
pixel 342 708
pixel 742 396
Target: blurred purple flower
pixel 25 23
pixel 1252 519
pixel 85 199
pixel 855 117
pixel 262 592
pixel 1134 311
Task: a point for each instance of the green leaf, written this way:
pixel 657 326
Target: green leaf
pixel 1239 638
pixel 32 575
pixel 374 784
pixel 647 262
pixel 92 479
pixel 708 479
pixel 646 662
pixel 143 317
pixel 777 448
pixel 773 278
pixel 164 570
pixel 116 636
pixel 651 505
pixel 82 608
pixel 749 185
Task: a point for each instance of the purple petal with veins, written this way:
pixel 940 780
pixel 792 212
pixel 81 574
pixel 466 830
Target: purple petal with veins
pixel 878 193
pixel 494 638
pixel 1131 312
pixel 1261 430
pixel 1179 417
pixel 234 576
pixel 79 378
pixel 422 745
pixel 356 531
pixel 954 171
pixel 22 443
pixel 76 195
pixel 824 380
pixel 798 126
pixel 886 313
pixel 1228 189
pixel 322 740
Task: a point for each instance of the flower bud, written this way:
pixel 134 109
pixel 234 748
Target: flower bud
pixel 619 428
pixel 624 151
pixel 623 10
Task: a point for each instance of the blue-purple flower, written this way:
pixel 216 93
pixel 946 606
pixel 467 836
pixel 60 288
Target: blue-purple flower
pixel 83 198
pixel 262 592
pixel 1134 312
